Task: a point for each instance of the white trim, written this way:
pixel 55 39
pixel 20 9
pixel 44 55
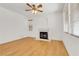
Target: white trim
pixel 44 39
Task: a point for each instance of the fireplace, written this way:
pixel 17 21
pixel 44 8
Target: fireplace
pixel 44 35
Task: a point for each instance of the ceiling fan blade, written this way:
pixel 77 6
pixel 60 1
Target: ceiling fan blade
pixel 28 5
pixel 27 9
pixel 40 10
pixel 39 6
pixel 33 6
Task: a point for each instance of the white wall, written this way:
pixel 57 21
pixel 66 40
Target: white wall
pixel 71 44
pixel 53 22
pixel 12 25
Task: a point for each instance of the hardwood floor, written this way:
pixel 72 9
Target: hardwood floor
pixel 31 47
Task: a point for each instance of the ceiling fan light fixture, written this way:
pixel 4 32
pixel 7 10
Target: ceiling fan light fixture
pixel 34 11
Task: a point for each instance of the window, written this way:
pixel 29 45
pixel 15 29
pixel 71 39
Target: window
pixel 71 18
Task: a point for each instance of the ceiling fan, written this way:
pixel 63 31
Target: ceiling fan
pixel 35 8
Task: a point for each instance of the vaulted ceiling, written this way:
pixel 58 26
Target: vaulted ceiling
pixel 20 7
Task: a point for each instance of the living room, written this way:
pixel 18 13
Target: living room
pixel 21 23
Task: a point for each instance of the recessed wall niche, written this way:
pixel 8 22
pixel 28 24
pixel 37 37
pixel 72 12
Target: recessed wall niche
pixel 30 24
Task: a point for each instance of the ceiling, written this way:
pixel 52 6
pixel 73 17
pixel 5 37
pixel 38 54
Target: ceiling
pixel 20 7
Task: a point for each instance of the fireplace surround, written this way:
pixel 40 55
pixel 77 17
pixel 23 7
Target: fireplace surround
pixel 44 34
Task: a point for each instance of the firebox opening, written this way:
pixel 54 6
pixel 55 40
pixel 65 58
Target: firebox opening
pixel 43 35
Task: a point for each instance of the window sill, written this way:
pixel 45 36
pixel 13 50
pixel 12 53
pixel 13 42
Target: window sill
pixel 72 34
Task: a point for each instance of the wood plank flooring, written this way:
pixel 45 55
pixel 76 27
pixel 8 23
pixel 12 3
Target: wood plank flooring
pixel 31 47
